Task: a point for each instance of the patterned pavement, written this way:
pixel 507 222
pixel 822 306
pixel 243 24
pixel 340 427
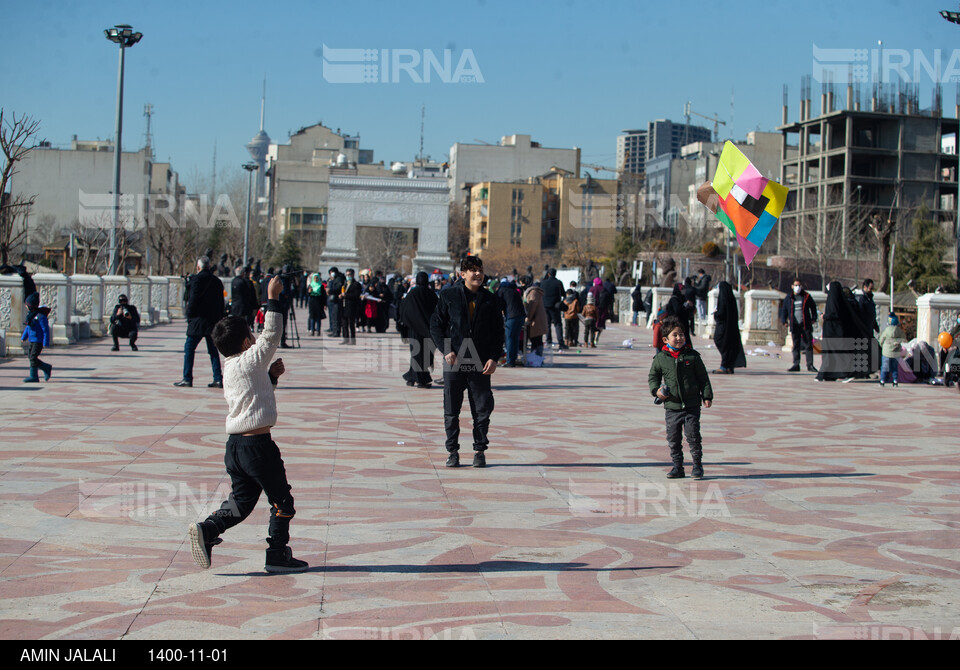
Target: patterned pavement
pixel 828 510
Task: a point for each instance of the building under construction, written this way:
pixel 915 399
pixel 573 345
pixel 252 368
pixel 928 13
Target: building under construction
pixel 880 160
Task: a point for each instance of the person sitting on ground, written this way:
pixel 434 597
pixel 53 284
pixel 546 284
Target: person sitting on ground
pixel 124 322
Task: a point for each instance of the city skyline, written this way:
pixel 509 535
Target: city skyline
pixel 577 76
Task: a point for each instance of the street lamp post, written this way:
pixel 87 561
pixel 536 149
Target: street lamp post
pixel 123 35
pixel 250 168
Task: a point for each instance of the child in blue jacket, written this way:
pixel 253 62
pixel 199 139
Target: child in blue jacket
pixel 36 330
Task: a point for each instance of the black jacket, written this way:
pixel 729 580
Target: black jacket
pixel 243 297
pixel 552 292
pixel 512 301
pixel 205 304
pixel 450 327
pixel 809 310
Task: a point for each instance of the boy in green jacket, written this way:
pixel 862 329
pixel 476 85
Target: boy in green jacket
pixel 679 378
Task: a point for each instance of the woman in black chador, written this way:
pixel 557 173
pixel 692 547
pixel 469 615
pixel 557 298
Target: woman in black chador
pixel 727 333
pixel 416 308
pixel 849 349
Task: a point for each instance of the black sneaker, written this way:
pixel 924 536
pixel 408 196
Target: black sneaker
pixel 479 460
pixel 453 461
pixel 133 347
pixel 810 368
pixel 183 383
pixel 795 368
pixel 697 472
pixel 199 547
pixel 676 473
pixel 287 563
pixel 215 385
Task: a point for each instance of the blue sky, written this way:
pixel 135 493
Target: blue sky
pixel 568 72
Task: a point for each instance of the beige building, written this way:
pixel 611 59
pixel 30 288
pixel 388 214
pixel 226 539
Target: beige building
pixel 298 180
pixel 505 215
pixel 543 214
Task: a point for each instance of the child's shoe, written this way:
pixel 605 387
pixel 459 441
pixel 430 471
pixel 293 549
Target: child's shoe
pixel 697 472
pixel 200 547
pixel 676 473
pixel 285 562
pixel 32 378
pixel 47 369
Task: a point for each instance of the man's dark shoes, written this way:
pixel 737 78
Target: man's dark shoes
pixel 810 368
pixel 133 347
pixel 479 460
pixel 453 460
pixel 183 382
pixel 200 547
pixel 285 563
pixel 795 368
pixel 215 385
pixel 410 383
pixel 115 348
pixel 697 472
pixel 428 385
pixel 676 473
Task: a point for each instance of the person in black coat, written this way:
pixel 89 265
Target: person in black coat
pixel 243 296
pixel 848 348
pixel 204 310
pixel 350 302
pixel 798 311
pixel 726 334
pixel 680 307
pixel 416 310
pixel 124 322
pixel 467 327
pixel 552 296
pixel 511 302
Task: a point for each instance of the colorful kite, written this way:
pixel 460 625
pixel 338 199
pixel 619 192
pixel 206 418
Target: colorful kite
pixel 750 204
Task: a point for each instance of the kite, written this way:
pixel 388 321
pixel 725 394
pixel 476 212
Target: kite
pixel 750 204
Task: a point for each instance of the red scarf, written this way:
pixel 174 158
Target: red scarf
pixel 670 351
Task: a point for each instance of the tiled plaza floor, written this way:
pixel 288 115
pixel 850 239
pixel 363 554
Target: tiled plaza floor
pixel 828 510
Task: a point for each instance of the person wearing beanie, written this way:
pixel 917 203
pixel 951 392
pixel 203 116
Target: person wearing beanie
pixel 891 341
pixel 590 322
pixel 36 331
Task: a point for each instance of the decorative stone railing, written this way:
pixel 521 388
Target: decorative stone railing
pixel 936 313
pixel 760 317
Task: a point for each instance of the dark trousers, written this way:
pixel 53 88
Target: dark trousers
pixel 348 319
pixel 189 352
pixel 117 334
pixel 480 395
pixel 334 308
pixel 33 355
pixel 555 321
pixel 680 421
pixel 802 340
pixel 254 465
pixel 573 330
pixel 514 329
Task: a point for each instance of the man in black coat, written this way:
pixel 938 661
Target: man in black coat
pixel 243 296
pixel 350 302
pixel 467 328
pixel 553 294
pixel 334 302
pixel 798 311
pixel 124 322
pixel 204 310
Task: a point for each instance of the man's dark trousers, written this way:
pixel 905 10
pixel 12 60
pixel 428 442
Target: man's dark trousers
pixel 254 465
pixel 190 349
pixel 555 321
pixel 480 396
pixel 802 339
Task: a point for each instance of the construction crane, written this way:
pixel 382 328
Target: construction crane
pixel 716 121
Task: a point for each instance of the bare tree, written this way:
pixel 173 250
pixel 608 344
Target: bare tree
pixel 16 132
pixel 383 248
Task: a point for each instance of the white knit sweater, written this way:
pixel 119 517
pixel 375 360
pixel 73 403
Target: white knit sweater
pixel 246 381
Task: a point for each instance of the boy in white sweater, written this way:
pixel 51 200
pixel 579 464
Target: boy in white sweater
pixel 252 457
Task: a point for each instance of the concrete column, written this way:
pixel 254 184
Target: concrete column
pixel 160 298
pixel 139 296
pixel 661 296
pixel 88 305
pixel 175 297
pixel 760 320
pixel 55 293
pixel 11 310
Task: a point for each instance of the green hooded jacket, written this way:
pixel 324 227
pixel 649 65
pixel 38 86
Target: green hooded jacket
pixel 685 376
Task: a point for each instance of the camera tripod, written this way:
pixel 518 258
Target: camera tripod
pixel 294 330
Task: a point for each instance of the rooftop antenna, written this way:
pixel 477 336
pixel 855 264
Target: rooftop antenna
pixel 148 143
pixel 423 108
